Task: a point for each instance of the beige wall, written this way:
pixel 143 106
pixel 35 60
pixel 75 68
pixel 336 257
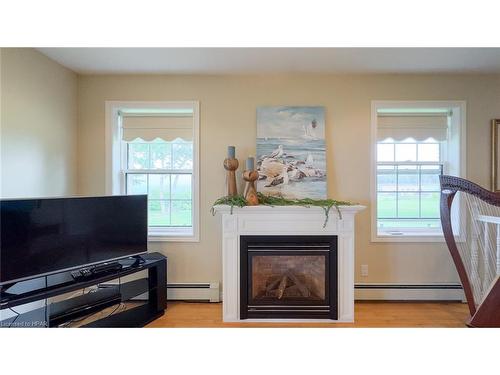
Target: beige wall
pixel 37 125
pixel 40 139
pixel 228 105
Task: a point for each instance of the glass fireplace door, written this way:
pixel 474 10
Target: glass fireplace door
pixel 283 279
pixel 288 277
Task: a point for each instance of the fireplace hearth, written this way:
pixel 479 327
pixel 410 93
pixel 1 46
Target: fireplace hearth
pixel 287 277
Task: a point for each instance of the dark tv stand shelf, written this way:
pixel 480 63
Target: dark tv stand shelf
pixel 40 289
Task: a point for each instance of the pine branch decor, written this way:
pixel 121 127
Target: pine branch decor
pixel 326 204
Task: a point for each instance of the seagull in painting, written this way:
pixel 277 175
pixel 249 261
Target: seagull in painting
pixel 277 153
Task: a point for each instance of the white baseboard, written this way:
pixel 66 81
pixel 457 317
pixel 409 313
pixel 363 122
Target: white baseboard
pixel 408 292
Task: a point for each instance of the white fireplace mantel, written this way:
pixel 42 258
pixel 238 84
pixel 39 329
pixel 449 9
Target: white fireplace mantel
pixel 282 220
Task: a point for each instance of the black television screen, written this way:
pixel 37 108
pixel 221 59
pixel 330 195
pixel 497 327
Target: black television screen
pixel 43 236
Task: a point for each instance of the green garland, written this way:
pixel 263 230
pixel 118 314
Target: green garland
pixel 238 201
pixel 326 204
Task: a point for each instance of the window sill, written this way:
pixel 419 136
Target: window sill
pixel 170 235
pixel 408 238
pixel 172 238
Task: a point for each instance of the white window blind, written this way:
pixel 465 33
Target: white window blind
pixel 149 127
pixel 419 126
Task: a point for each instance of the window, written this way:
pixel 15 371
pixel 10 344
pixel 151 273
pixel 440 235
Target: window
pixel 414 143
pixel 163 170
pixel 408 186
pixel 154 152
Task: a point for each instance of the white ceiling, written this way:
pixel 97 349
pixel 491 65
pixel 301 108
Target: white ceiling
pixel 277 60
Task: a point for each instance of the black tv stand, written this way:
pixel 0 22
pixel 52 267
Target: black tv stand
pixel 138 260
pixel 105 293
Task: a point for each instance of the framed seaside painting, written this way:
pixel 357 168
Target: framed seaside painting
pixel 291 152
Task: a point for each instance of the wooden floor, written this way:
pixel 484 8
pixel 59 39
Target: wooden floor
pixel 367 314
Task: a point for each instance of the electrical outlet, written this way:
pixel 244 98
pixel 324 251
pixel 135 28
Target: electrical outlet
pixel 364 270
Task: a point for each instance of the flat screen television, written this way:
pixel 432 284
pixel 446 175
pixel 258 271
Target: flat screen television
pixel 50 235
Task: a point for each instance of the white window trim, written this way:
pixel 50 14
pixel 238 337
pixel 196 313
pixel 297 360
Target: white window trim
pixel 460 127
pixel 115 183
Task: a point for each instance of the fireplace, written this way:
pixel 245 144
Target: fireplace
pixel 276 231
pixel 288 277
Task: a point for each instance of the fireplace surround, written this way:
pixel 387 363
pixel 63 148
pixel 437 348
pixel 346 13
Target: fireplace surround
pixel 282 222
pixel 288 277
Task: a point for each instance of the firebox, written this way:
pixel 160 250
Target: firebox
pixel 291 277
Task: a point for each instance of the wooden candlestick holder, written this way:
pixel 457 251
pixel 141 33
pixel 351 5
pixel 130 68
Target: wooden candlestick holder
pixel 251 194
pixel 231 165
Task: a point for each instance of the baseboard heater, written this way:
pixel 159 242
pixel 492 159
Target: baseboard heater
pixel 409 292
pixel 193 292
pixel 370 291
